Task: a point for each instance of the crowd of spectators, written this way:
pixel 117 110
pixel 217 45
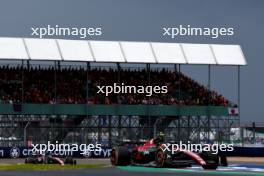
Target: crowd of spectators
pixel 69 85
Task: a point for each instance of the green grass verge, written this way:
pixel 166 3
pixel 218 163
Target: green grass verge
pixel 49 166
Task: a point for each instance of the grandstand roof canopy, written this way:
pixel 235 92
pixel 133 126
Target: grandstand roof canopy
pixel 119 51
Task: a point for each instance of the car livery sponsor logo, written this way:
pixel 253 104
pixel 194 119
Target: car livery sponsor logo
pixel 14 152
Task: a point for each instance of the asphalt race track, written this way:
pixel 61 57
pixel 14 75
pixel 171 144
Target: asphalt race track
pixel 142 171
pixel 237 169
pixel 92 172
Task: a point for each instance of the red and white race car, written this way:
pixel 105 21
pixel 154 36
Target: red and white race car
pixel 152 153
pixel 49 159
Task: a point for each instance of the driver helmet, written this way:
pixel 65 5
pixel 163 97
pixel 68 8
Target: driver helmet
pixel 160 138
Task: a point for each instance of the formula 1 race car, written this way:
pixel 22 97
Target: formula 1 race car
pixel 152 153
pixel 42 159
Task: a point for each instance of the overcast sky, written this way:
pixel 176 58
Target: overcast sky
pixel 143 20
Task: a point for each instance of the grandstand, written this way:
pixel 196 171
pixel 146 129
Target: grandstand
pixel 48 91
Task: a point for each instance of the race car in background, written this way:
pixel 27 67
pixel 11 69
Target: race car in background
pixel 49 159
pixel 151 153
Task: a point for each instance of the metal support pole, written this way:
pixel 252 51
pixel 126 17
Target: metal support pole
pixel 87 84
pixel 179 129
pixel 25 133
pixel 179 74
pixel 209 101
pixel 130 133
pixel 218 131
pixel 59 65
pixel 22 82
pixel 199 129
pixel 28 65
pixel 99 137
pixel 118 99
pixel 188 128
pixel 87 90
pixel 149 121
pixel 179 99
pixel 118 79
pixel 238 103
pixel 55 82
pixel 209 84
pixel 238 91
pixel 254 131
pixel 110 130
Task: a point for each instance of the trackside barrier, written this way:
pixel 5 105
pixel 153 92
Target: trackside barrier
pixel 22 152
pixel 246 152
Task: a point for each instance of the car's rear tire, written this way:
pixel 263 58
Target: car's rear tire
pixel 160 158
pixel 212 160
pixel 223 161
pixel 120 156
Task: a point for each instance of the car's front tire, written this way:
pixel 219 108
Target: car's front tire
pixel 120 156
